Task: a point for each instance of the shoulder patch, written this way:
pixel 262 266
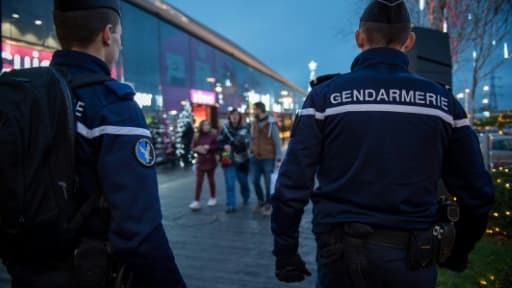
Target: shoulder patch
pixel 120 89
pixel 324 78
pixel 145 152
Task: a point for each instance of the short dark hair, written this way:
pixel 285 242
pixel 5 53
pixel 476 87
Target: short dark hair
pixel 80 28
pixel 379 34
pixel 260 106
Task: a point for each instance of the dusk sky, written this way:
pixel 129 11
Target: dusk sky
pixel 287 34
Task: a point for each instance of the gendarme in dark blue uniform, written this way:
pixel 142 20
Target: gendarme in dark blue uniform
pixel 378 140
pixel 116 157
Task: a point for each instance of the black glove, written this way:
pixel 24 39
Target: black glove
pixel 291 269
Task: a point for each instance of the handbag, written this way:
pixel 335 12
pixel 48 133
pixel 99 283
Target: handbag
pixel 240 158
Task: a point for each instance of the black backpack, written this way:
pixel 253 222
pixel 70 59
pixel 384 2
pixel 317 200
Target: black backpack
pixel 40 216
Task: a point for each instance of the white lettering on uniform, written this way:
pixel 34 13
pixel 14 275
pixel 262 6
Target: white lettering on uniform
pixel 407 96
pixel 79 110
pixel 444 103
pixel 335 98
pixel 347 96
pixel 393 93
pixel 431 98
pixel 358 95
pixel 367 95
pixel 382 95
pixel 420 97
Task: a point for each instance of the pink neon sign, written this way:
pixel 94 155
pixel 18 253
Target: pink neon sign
pixel 19 56
pixel 203 97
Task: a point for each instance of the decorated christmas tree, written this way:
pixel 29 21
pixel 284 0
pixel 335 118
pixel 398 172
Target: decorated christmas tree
pixel 184 136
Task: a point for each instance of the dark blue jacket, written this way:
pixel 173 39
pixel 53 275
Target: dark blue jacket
pixel 378 140
pixel 111 132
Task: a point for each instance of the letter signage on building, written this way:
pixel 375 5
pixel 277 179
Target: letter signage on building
pixel 18 56
pixel 203 97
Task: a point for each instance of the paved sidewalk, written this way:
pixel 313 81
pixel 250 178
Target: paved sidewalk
pixel 217 250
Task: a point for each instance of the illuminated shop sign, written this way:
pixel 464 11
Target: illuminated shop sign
pixel 17 56
pixel 203 97
pixel 143 99
pixel 254 97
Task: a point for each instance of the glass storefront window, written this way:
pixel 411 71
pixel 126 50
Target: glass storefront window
pixel 166 65
pixel 140 50
pixel 28 37
pixel 175 67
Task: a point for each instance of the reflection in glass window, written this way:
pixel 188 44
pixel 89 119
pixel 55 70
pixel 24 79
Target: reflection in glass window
pixel 140 50
pixel 29 21
pixel 28 38
pixel 175 76
pixel 202 59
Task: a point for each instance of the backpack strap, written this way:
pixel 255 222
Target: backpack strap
pixel 76 82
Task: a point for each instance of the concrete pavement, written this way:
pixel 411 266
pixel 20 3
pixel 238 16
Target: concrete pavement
pixel 217 250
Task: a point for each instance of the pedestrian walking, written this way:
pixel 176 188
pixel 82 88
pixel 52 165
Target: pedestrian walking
pixel 234 141
pixel 379 139
pixel 205 145
pixel 186 139
pixel 79 232
pixel 266 154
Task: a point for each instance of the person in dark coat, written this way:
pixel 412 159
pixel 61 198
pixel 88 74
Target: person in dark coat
pixel 205 145
pixel 186 139
pixel 234 141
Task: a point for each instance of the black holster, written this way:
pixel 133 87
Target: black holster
pixel 434 246
pixel 430 247
pixel 92 265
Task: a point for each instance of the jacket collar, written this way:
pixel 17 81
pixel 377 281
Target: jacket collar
pixel 79 61
pixel 380 56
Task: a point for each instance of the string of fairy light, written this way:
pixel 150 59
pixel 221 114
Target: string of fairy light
pixel 502 177
pixel 496 215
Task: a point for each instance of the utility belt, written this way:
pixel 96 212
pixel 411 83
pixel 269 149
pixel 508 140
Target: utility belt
pixel 425 248
pixel 346 248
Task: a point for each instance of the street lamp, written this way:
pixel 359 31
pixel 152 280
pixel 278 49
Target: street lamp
pixel 485 101
pixel 460 96
pixel 466 98
pixel 218 88
pixel 312 68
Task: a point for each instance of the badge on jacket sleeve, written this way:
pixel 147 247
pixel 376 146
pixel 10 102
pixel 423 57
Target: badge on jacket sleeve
pixel 145 152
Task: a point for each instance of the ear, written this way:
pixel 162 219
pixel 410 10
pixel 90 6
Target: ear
pixel 360 39
pixel 409 43
pixel 107 34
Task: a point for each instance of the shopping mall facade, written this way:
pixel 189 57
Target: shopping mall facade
pixel 168 57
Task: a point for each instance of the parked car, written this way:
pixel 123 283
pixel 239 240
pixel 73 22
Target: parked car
pixel 492 130
pixel 496 149
pixel 507 129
